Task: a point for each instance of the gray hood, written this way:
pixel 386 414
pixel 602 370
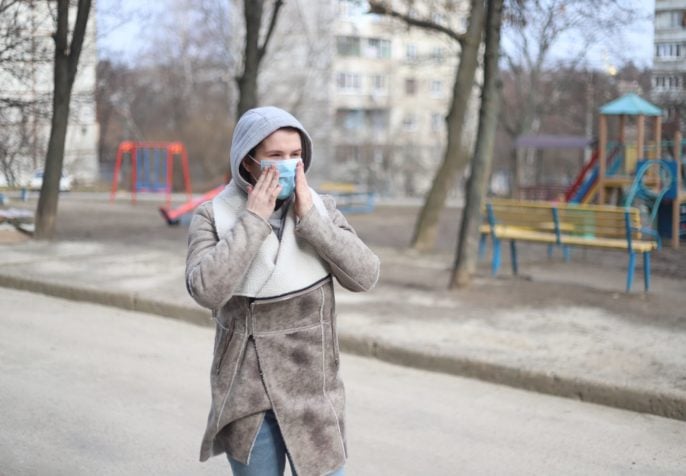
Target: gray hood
pixel 253 127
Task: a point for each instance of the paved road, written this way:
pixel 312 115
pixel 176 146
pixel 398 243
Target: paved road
pixel 86 389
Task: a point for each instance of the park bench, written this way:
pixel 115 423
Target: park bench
pixel 20 219
pixel 565 225
pixel 350 198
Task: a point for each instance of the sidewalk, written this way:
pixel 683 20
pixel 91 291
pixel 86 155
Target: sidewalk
pixel 563 329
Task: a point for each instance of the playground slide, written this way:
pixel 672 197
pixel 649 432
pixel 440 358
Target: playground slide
pixel 589 192
pixel 585 186
pixel 571 191
pixel 172 216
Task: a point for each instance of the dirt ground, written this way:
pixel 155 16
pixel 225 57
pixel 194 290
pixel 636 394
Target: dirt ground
pixel 82 218
pixel 92 217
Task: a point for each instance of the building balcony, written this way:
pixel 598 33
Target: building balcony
pixel 666 95
pixel 662 5
pixel 359 136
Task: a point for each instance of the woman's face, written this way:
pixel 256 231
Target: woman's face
pixel 279 145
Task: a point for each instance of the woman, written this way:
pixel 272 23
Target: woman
pixel 261 256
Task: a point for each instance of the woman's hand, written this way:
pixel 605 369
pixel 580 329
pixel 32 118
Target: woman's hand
pixel 303 196
pixel 262 197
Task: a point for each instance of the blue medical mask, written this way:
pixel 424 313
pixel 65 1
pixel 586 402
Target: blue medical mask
pixel 286 170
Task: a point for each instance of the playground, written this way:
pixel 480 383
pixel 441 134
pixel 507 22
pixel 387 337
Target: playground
pixel 629 197
pixel 631 169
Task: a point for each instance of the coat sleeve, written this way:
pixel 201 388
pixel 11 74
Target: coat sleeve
pixel 215 265
pixel 355 266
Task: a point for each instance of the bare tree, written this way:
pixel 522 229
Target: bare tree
pixel 426 227
pixel 67 55
pixel 465 257
pixel 254 51
pixel 20 105
pixel 183 86
pixel 535 28
pixel 16 140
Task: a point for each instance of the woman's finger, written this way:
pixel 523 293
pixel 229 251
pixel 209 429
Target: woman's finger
pixel 262 181
pixel 300 180
pixel 274 178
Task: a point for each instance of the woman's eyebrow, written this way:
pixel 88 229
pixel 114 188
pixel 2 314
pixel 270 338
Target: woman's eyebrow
pixel 279 151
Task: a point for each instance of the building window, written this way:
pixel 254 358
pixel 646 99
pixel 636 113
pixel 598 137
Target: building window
pixel 351 8
pixel 410 123
pixel 439 19
pixel 671 19
pixel 379 83
pixel 348 45
pixel 437 122
pixel 667 82
pixel 410 86
pixel 411 52
pixel 438 54
pixel 348 82
pixel 350 119
pixel 378 48
pixel 378 119
pixel 667 50
pixel 436 88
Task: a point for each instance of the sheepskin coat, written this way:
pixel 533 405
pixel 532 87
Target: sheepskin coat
pixel 279 352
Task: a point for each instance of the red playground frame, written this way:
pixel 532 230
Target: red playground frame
pixel 145 150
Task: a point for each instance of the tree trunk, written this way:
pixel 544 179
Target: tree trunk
pixel 467 245
pixel 426 228
pixel 254 52
pixel 247 81
pixel 47 202
pixel 516 172
pixel 66 62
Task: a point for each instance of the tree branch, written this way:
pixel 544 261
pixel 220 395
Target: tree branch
pixel 78 35
pixel 7 4
pixel 380 8
pixel 272 24
pixel 60 35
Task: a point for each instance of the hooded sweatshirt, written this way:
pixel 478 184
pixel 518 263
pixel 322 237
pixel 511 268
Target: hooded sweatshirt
pixel 284 263
pixel 256 125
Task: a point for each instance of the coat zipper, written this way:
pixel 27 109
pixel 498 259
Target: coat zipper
pixel 229 331
pixel 334 340
pixel 259 368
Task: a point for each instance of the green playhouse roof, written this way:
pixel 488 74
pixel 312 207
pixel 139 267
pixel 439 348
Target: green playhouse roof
pixel 631 104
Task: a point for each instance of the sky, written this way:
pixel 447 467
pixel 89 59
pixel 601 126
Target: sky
pixel 636 43
pixel 122 24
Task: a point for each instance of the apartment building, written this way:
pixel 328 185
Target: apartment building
pixel 391 89
pixel 26 76
pixel 669 64
pixel 372 92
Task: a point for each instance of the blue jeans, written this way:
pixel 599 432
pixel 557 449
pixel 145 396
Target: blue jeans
pixel 268 457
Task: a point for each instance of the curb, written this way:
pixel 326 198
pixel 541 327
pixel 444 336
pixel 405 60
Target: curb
pixel 626 398
pixel 633 399
pixel 128 302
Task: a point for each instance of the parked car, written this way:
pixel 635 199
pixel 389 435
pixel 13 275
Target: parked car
pixel 36 182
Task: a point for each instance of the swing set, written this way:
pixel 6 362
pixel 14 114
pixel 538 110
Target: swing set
pixel 152 167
